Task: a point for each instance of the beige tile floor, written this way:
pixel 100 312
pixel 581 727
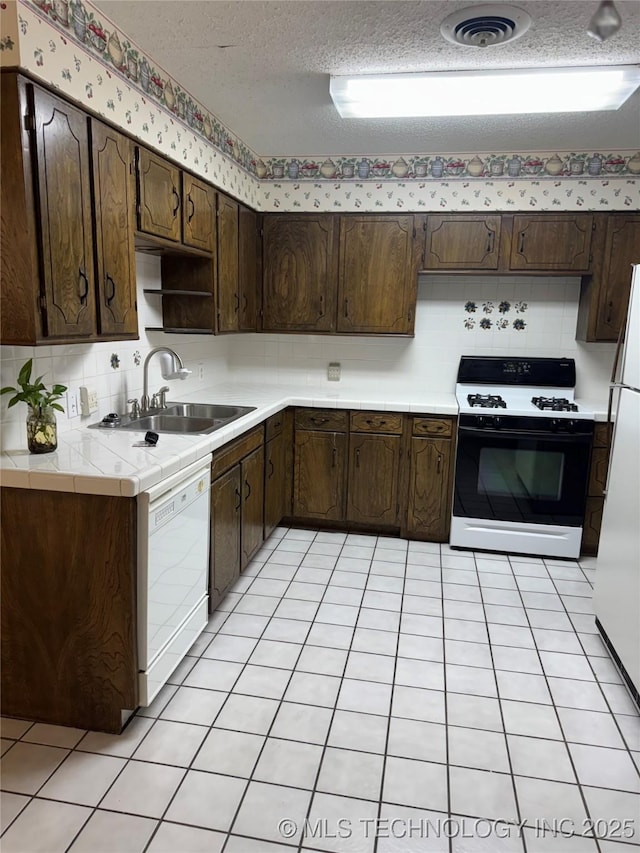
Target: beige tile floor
pixel 375 694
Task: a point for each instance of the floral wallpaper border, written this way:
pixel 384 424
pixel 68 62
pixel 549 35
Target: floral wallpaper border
pixel 70 46
pixel 421 167
pixel 86 26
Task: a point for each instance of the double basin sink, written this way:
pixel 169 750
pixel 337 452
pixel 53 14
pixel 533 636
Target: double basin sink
pixel 181 418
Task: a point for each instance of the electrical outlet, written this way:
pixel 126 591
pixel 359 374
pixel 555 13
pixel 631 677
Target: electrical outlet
pixel 88 400
pixel 333 371
pixel 72 403
pixel 201 372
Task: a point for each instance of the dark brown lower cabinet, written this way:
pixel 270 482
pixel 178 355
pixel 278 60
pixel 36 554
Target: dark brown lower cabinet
pixel 431 461
pixel 226 505
pixel 319 474
pixel 252 527
pixel 69 652
pixel 278 474
pixel 237 510
pixel 374 465
pixel 595 490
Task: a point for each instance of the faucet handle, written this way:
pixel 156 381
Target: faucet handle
pixel 135 408
pixel 161 397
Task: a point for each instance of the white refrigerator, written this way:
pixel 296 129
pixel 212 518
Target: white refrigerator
pixel 617 586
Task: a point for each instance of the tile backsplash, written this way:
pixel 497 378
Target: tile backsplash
pixel 547 327
pixel 427 361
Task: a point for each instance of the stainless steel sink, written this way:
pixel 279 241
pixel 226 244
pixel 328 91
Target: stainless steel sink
pixel 198 418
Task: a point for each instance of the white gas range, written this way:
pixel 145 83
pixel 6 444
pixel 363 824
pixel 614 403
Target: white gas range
pixel 522 459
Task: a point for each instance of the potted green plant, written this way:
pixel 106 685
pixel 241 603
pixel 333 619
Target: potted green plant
pixel 42 433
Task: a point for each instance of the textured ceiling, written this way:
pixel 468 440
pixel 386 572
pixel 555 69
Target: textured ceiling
pixel 262 66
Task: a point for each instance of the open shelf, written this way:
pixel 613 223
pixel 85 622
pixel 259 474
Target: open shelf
pixel 178 292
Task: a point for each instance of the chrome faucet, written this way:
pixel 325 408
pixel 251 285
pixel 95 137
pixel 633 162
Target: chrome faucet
pixel 178 371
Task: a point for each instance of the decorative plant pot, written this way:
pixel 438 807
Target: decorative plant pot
pixel 79 18
pixel 293 170
pixel 496 168
pixel 576 166
pixel 277 170
pixel 261 169
pixel 514 165
pixel 61 10
pixel 420 169
pixel 42 430
pixel 328 169
pixel 400 169
pixel 347 170
pixel 554 165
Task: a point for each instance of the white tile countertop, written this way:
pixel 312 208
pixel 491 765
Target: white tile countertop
pixel 103 462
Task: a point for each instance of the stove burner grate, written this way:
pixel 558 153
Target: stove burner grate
pixel 486 401
pixel 554 404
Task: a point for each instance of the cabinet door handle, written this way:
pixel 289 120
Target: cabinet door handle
pixel 439 463
pixel 490 240
pixel 376 423
pixel 85 292
pixel 239 496
pixel 317 420
pixel 245 301
pixel 277 424
pixel 109 299
pixel 521 243
pixel 248 493
pixel 193 208
pixel 321 306
pixel 609 312
pixel 272 468
pixel 346 307
pixel 334 453
pixel 357 458
pixel 177 197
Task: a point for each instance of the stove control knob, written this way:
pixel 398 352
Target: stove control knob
pixel 555 424
pixel 497 422
pixel 480 421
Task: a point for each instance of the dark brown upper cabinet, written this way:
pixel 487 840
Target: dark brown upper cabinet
pixel 159 196
pixel 469 242
pixel 59 183
pixel 63 180
pixel 228 270
pixel 605 295
pixel 198 213
pixel 555 242
pixel 112 161
pixel 248 269
pixel 379 259
pixel 299 272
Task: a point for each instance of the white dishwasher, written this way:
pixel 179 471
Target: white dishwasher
pixel 173 573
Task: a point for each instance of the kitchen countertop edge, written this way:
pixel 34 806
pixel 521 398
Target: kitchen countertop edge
pixel 103 462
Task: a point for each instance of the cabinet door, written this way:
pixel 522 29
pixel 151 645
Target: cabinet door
pixel 114 193
pixel 299 273
pixel 378 274
pixel 252 504
pixel 228 294
pixel 159 200
pixel 319 470
pixel 277 491
pixel 462 242
pixel 429 510
pixel 372 494
pixel 226 507
pixel 622 248
pixel 248 269
pixel 63 174
pixel 198 213
pixel 552 242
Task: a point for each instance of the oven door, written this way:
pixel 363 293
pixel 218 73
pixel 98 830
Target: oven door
pixel 521 477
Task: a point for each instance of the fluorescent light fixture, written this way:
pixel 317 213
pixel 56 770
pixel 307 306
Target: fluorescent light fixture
pixel 497 92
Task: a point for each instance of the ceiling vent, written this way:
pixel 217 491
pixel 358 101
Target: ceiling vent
pixel 484 26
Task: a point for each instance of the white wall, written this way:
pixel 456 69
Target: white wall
pixel 429 360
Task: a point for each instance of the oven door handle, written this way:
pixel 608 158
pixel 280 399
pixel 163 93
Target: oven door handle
pixel 521 433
